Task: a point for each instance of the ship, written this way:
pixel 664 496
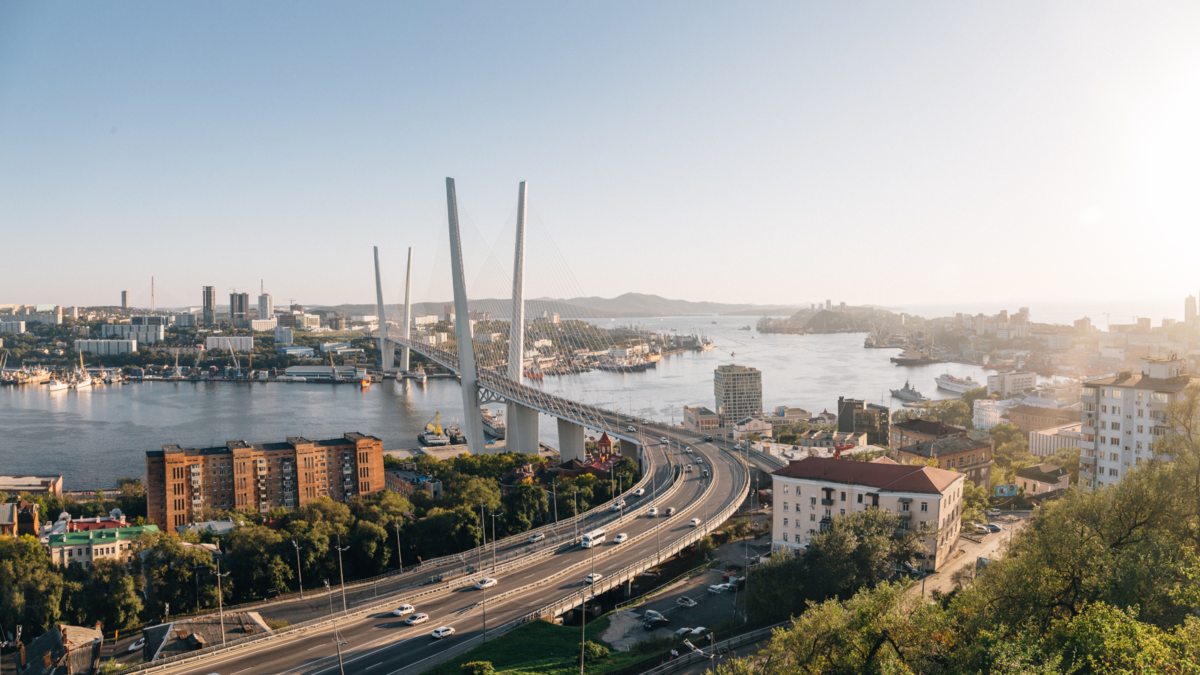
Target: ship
pixel 915 357
pixel 955 384
pixel 493 424
pixel 627 365
pixel 27 375
pixel 908 393
pixel 433 434
pixel 419 375
pixel 457 437
pixel 57 385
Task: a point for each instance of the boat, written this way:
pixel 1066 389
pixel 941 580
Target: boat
pixel 733 353
pixel 915 357
pixel 365 383
pixel 493 424
pixel 747 327
pixel 635 365
pixel 908 393
pixel 433 434
pixel 457 437
pixel 419 375
pixel 955 384
pixel 57 385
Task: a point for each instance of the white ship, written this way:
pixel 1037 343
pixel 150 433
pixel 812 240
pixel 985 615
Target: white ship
pixel 80 380
pixel 955 384
pixel 57 385
pixel 493 423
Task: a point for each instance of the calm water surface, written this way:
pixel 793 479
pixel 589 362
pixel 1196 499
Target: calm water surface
pixel 94 437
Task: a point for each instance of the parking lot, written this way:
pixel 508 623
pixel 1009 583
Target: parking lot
pixel 710 610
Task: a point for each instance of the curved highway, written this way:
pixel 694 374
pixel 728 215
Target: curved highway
pixel 382 644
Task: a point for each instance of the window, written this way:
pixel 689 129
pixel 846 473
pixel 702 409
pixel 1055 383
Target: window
pixel 843 497
pixel 1140 429
pixel 1112 472
pixel 1139 412
pixel 812 517
pixel 1139 396
pixel 785 522
pixel 860 499
pixel 1139 446
pixel 813 500
pixel 1103 440
pixel 843 512
pixel 1113 456
pixel 924 507
pixel 1114 441
pixel 904 506
pixel 1103 408
pixel 1116 426
pixel 797 538
pixel 1157 397
pixel 785 508
pixel 785 489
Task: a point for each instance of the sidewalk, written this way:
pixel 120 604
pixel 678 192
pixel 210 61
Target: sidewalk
pixel 970 549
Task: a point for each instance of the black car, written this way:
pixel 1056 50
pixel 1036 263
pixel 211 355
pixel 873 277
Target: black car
pixel 708 439
pixel 651 624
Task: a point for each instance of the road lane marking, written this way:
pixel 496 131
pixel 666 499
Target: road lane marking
pixel 377 664
pixel 243 670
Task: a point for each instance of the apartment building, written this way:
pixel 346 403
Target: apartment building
pixel 1040 479
pixel 1047 442
pixel 855 415
pixel 180 482
pixel 738 392
pixel 85 548
pixel 1031 418
pixel 811 492
pixel 1007 384
pixel 1124 417
pixel 954 453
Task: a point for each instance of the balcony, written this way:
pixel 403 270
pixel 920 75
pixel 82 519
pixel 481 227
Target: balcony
pixel 826 502
pixel 905 515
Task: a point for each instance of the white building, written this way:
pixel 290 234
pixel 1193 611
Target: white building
pixel 283 335
pixel 304 321
pixel 146 335
pixel 1046 442
pixel 364 318
pixel 752 425
pixel 106 347
pixel 230 343
pixel 1124 417
pixel 987 413
pixel 544 342
pixel 266 308
pixel 811 492
pixel 263 324
pixel 1007 384
pixel 12 326
pixel 48 318
pixel 427 320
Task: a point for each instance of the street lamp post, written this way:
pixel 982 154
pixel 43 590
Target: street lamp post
pixel 329 594
pixel 341 575
pixel 399 558
pixel 493 542
pixel 576 495
pixel 339 642
pixel 221 599
pixel 299 576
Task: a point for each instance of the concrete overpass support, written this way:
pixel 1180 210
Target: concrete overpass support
pixel 473 420
pixel 522 433
pixel 571 439
pixel 406 330
pixel 385 347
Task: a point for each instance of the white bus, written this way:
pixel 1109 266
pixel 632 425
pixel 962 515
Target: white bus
pixel 593 538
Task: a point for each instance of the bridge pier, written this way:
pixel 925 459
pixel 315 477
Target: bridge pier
pixel 522 433
pixel 571 439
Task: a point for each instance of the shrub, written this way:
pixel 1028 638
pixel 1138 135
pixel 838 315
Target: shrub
pixel 478 668
pixel 593 651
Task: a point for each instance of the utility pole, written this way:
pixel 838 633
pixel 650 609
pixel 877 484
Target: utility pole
pixel 399 559
pixel 221 599
pixel 341 575
pixel 493 542
pixel 329 594
pixel 339 642
pixel 299 577
pixel 576 495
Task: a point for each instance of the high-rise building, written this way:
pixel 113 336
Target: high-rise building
pixel 738 392
pixel 855 415
pixel 209 311
pixel 266 309
pixel 124 299
pixel 239 310
pixel 181 482
pixel 1124 417
pixel 1189 309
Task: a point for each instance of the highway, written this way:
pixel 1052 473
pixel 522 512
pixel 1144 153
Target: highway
pixel 383 645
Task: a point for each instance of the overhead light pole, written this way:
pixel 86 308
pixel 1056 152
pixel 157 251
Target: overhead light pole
pixel 341 575
pixel 299 576
pixel 220 599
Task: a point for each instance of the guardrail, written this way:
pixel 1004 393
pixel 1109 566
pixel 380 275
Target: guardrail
pixel 689 658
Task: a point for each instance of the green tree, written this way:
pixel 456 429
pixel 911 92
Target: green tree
pixel 525 507
pixel 30 589
pixel 594 651
pixel 478 668
pixel 975 501
pixel 112 596
pixel 473 491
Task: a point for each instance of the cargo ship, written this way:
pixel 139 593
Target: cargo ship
pixel 493 423
pixel 433 434
pixel 915 357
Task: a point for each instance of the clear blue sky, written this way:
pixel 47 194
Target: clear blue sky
pixel 889 153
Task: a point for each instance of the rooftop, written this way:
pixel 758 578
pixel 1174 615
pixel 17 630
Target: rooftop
pixel 25 483
pixel 1043 473
pixel 941 447
pixel 880 475
pixel 100 536
pixel 80 646
pixel 1140 381
pixel 292 442
pixel 929 428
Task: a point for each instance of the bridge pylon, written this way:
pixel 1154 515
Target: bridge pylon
pixel 473 420
pixel 406 330
pixel 522 433
pixel 386 350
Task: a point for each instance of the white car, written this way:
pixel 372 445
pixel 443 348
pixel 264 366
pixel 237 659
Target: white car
pixel 620 538
pixel 695 522
pixel 618 505
pixel 444 631
pixel 698 630
pixel 685 601
pixel 663 438
pixel 639 492
pixel 651 614
pixel 141 642
pixel 630 429
pixel 535 538
pixel 403 610
pixel 653 511
pixel 687 450
pixel 717 588
pixel 670 510
pixel 683 631
pixel 416 619
pixel 485 583
pixel 992 513
pixel 593 577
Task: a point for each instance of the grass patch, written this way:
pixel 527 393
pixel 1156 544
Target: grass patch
pixel 542 648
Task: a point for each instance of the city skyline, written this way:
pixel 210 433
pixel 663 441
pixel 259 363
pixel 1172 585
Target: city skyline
pixel 1003 145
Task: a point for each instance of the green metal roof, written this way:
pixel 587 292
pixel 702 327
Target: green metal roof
pixel 100 536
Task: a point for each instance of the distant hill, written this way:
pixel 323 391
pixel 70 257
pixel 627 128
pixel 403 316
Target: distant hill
pixel 627 305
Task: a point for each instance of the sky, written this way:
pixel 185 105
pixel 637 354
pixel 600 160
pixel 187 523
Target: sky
pixel 872 152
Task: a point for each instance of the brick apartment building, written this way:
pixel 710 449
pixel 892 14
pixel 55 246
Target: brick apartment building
pixel 911 432
pixel 180 482
pixel 953 453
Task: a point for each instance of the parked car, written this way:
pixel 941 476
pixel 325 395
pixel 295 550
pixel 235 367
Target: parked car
pixel 403 610
pixel 651 614
pixel 485 583
pixel 620 538
pixel 670 511
pixel 639 492
pixel 695 522
pixel 535 538
pixel 653 511
pixel 994 527
pixel 271 593
pixel 698 630
pixel 683 631
pixel 443 632
pixel 980 529
pixel 655 622
pixel 685 601
pixel 718 588
pixel 992 513
pixel 593 578
pixel 416 619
